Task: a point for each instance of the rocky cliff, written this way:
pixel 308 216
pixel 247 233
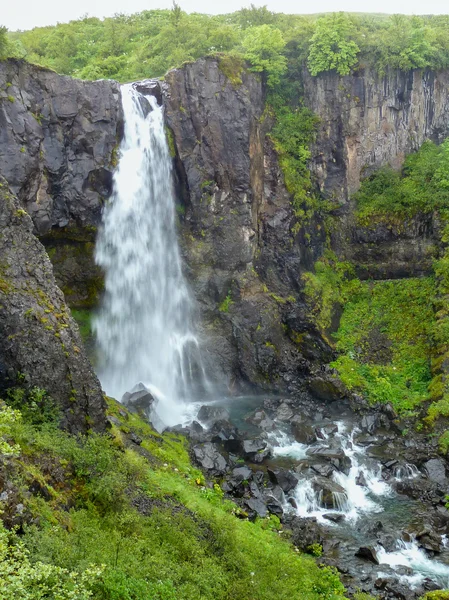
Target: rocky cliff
pixel 40 345
pixel 368 121
pixel 58 144
pixel 244 258
pixel 244 265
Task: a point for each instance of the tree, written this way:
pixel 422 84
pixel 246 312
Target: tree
pixel 263 47
pixel 3 42
pixel 332 47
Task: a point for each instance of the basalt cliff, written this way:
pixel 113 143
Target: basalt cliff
pixel 243 254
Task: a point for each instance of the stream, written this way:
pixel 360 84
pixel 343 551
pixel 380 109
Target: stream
pixel 348 486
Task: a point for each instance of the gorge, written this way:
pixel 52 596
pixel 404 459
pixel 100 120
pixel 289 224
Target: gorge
pixel 308 446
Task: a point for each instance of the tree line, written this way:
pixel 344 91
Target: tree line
pixel 149 43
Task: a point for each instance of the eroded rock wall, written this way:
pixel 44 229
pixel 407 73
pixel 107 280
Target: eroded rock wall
pixel 366 122
pixel 244 262
pixel 58 147
pixel 40 344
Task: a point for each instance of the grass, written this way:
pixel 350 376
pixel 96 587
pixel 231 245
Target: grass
pixel 142 518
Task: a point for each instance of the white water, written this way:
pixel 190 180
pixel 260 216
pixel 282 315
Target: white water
pixel 145 327
pixel 408 554
pixel 357 500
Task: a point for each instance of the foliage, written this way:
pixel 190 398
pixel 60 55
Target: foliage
pixel 438 595
pixel 384 341
pixel 3 42
pixel 141 521
pixel 328 287
pixel 20 578
pixel 8 417
pixel 439 386
pixel 423 186
pixel 332 47
pixel 147 44
pixel 226 304
pixel 35 404
pixel 262 47
pixel 292 134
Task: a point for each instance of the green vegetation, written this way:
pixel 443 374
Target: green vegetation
pixel 421 187
pixel 149 43
pixel 83 318
pixel 226 304
pixel 263 47
pixel 329 286
pixel 385 341
pixel 332 47
pixel 114 520
pixel 439 387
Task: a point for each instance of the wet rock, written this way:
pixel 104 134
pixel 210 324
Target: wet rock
pixel 303 433
pixel 292 503
pixel 326 387
pixel 334 517
pixel 274 506
pixel 210 459
pixel 242 474
pixel 255 450
pixel 370 423
pixel 139 400
pixel 285 479
pixel 135 439
pixel 223 432
pixel 323 469
pixel 258 506
pixel 435 470
pixel 284 412
pixel 210 414
pixel 360 479
pixel 332 495
pixel 368 553
pixel 430 540
pixel 261 420
pixel 38 336
pixel 305 532
pixel 324 432
pixel 335 456
pixel 388 541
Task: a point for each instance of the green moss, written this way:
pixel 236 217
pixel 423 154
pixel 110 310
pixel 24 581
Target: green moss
pixel 384 341
pixel 232 66
pixel 170 141
pixel 329 286
pixel 11 99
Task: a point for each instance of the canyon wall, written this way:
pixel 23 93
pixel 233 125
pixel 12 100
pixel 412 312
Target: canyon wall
pixel 243 258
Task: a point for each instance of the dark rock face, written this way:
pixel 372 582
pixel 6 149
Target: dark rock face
pixel 58 146
pixel 38 337
pixel 368 121
pixel 243 261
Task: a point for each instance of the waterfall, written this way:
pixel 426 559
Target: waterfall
pixel 144 329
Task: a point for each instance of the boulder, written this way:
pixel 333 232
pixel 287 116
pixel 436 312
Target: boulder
pixel 208 457
pixel 335 456
pixel 435 470
pixel 139 400
pixel 368 553
pixel 258 506
pixel 285 479
pixel 303 433
pixel 284 412
pixel 331 494
pixel 209 414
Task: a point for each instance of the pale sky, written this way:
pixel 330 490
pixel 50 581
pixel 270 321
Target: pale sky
pixel 25 14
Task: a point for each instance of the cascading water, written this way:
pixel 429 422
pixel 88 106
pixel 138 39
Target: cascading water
pixel 144 329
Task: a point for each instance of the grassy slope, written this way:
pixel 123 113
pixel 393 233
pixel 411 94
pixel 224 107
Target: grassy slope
pixel 145 514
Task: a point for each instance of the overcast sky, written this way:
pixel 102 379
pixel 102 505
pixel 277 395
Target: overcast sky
pixel 25 14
